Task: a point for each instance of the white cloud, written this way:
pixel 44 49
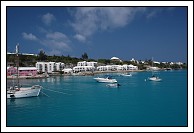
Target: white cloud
pixel 55 52
pixel 80 37
pixel 48 18
pixel 151 14
pixel 60 45
pixel 57 36
pixel 57 42
pixel 29 36
pixel 155 11
pixel 88 20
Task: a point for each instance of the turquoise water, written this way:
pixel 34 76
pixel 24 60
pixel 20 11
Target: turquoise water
pixel 81 101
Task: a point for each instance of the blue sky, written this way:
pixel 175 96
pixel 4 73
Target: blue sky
pixel 101 32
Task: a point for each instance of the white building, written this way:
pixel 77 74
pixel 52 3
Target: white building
pixel 67 70
pixel 84 63
pixel 116 67
pixel 92 63
pixel 115 59
pixel 105 68
pixel 59 66
pixel 132 60
pixel 49 66
pixel 153 68
pixel 156 62
pixel 127 67
pixel 85 66
pixel 179 63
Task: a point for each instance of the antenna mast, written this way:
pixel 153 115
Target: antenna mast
pixel 17 64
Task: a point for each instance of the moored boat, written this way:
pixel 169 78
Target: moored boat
pixel 113 85
pixel 127 75
pixel 23 92
pixel 19 91
pixel 154 78
pixel 106 80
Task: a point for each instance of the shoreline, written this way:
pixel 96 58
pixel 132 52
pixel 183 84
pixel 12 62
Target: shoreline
pixel 74 74
pixel 87 73
pixel 27 77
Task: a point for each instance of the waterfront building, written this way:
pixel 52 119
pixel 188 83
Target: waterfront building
pixel 153 68
pixel 83 68
pixel 11 71
pixel 49 66
pixel 92 63
pixel 67 70
pixel 105 68
pixel 132 67
pixel 28 71
pixel 60 66
pixel 127 67
pixel 117 68
pixel 84 63
pixel 23 71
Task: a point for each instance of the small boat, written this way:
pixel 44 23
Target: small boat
pixel 106 80
pixel 113 85
pixel 15 92
pixel 154 78
pixel 125 74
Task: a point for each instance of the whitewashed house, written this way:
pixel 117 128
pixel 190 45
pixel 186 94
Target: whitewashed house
pixel 49 66
pixel 85 66
pixel 116 68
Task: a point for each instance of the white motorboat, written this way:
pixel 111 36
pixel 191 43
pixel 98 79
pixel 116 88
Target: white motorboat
pixel 154 78
pixel 106 80
pixel 19 91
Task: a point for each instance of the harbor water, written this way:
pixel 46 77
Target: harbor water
pixel 81 101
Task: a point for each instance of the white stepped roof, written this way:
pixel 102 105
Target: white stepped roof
pixel 27 68
pixel 115 58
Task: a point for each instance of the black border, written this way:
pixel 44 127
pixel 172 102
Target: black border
pixel 98 6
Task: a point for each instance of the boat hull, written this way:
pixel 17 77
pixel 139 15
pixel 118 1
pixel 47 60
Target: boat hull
pixel 155 79
pixel 113 85
pixel 126 75
pixel 23 92
pixel 105 80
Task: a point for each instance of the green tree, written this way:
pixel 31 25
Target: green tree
pixel 104 61
pixel 85 56
pixel 42 56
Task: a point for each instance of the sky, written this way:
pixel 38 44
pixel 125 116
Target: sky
pixel 102 32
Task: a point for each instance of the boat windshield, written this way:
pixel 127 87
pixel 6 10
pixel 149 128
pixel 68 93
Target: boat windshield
pixel 109 77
